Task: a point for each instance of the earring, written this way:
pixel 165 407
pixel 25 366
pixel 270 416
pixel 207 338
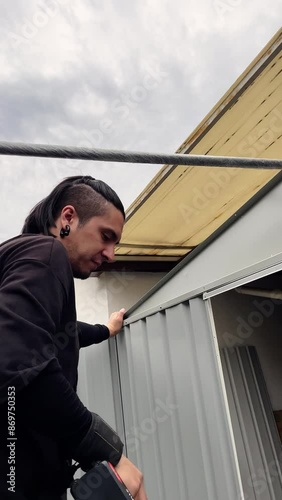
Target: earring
pixel 65 231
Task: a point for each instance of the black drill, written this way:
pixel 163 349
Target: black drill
pixel 102 482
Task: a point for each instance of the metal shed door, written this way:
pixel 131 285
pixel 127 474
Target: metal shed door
pixel 174 408
pixel 257 440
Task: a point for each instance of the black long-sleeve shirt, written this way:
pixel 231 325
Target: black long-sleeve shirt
pixel 91 334
pixel 39 344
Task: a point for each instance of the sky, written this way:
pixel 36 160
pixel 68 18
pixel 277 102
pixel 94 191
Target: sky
pixel 126 74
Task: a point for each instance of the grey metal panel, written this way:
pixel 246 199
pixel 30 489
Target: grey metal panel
pixel 116 388
pixel 253 238
pixel 176 425
pixel 95 366
pixel 259 270
pixel 255 272
pixel 258 444
pixel 95 382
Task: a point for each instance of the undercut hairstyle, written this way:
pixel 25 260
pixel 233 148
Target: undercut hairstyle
pixel 87 195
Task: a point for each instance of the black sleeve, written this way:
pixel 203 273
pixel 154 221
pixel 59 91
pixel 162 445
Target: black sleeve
pixel 91 334
pixel 56 411
pixel 31 301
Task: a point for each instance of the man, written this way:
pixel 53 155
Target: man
pixel 43 424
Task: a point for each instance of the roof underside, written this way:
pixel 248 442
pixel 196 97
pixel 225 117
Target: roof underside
pixel 182 206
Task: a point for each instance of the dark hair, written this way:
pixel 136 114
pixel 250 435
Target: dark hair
pixel 87 195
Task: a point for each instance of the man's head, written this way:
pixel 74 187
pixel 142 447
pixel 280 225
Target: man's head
pixel 94 215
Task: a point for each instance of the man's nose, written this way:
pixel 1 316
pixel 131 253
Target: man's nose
pixel 109 253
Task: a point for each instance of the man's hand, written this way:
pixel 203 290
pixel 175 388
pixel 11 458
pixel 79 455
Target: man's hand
pixel 132 478
pixel 115 322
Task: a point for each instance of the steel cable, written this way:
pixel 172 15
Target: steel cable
pixel 79 153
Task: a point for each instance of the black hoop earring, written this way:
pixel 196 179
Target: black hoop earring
pixel 65 231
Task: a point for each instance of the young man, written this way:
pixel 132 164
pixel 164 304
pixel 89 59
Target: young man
pixel 43 424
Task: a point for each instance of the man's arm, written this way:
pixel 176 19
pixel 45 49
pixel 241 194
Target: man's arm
pixel 31 304
pixel 55 410
pixel 115 322
pixel 85 436
pixel 94 334
pixel 91 334
pixel 31 301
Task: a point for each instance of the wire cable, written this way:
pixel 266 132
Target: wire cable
pixel 79 153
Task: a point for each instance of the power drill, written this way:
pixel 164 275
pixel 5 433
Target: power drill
pixel 102 482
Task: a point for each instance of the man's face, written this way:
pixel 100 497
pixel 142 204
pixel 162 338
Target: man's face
pixel 90 245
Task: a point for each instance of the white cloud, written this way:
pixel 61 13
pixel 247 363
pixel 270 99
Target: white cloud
pixel 121 75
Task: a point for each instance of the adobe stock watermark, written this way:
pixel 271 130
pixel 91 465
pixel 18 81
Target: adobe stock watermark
pixel 201 198
pixel 91 481
pixel 50 350
pixel 116 284
pixel 141 433
pixel 62 339
pixel 119 281
pixel 118 111
pixel 40 357
pixel 246 326
pixel 121 107
pixel 262 479
pixel 256 142
pixel 223 8
pixel 60 167
pixel 217 180
pixel 45 10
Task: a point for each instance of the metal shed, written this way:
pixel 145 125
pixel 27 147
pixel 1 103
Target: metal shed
pixel 219 439
pixel 194 381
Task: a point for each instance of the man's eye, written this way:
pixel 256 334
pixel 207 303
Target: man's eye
pixel 106 237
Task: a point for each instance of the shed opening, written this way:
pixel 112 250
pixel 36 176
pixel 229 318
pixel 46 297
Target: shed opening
pixel 249 333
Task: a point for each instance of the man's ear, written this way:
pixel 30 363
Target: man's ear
pixel 69 215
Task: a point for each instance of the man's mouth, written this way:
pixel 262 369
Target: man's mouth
pixel 96 264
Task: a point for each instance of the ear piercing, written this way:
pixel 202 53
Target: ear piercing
pixel 65 231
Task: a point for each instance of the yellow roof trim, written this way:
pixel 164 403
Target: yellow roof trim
pixel 220 107
pixel 182 206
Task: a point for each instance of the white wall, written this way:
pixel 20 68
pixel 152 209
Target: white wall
pixel 96 298
pixel 94 380
pixel 248 320
pixel 125 289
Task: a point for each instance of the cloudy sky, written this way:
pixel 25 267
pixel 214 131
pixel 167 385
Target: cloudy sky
pixel 125 74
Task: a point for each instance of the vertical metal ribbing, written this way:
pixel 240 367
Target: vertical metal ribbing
pixel 175 421
pixel 257 440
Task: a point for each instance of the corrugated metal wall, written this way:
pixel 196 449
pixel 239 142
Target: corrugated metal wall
pixel 175 419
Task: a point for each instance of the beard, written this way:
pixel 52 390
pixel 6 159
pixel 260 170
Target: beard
pixel 78 270
pixel 79 273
